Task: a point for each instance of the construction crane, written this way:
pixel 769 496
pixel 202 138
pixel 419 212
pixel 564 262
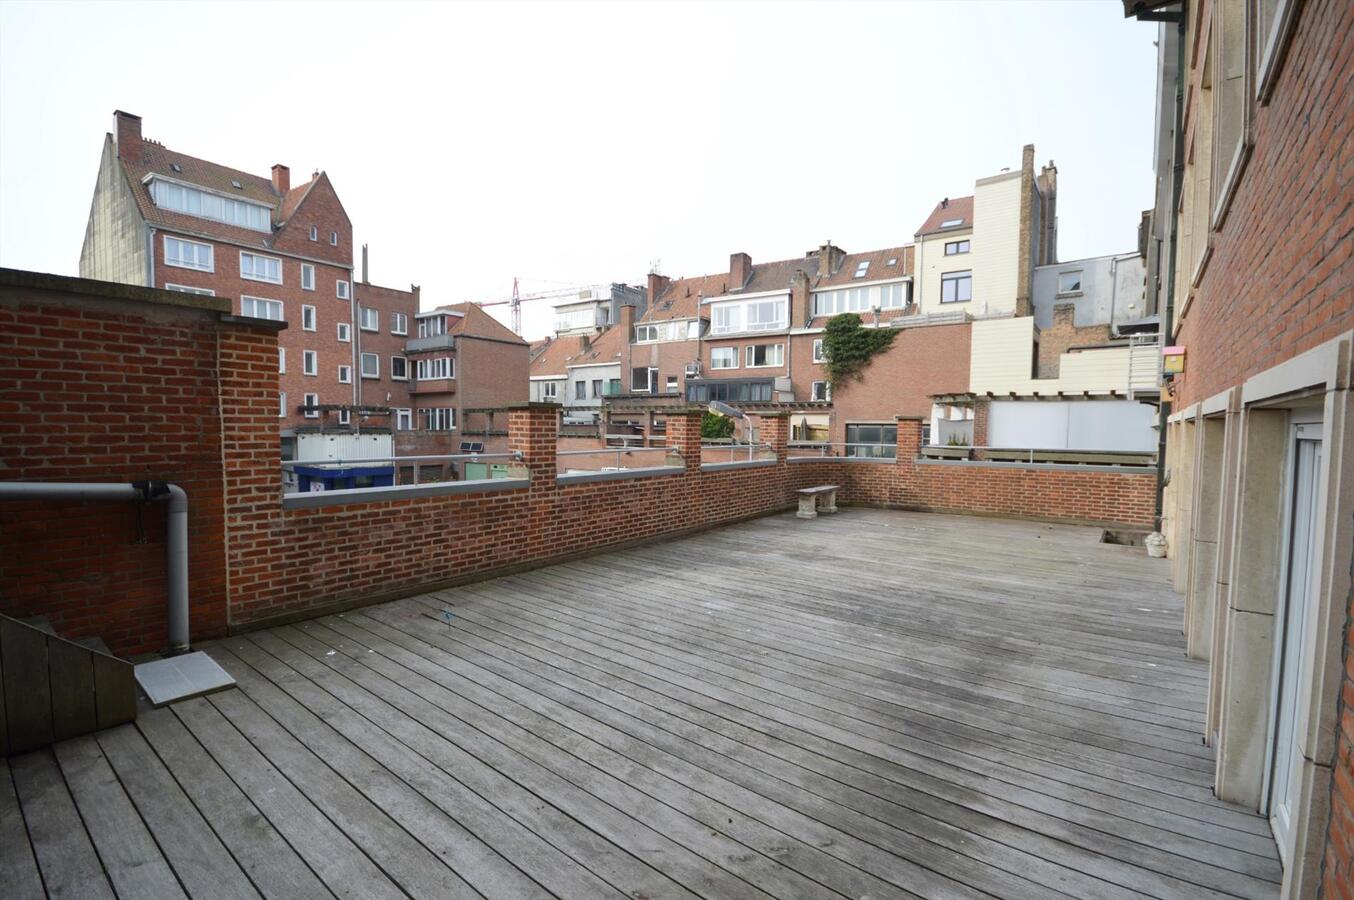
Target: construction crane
pixel 517 299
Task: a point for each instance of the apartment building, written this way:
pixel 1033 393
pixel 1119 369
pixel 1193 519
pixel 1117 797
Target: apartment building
pixel 597 307
pixel 1252 247
pixel 579 372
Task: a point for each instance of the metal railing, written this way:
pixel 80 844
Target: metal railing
pixel 412 470
pixel 828 450
pixel 616 459
pixel 731 452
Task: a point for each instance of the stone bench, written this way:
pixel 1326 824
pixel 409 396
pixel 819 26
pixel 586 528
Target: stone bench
pixel 808 500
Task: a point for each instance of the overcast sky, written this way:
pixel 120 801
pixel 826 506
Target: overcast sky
pixel 580 143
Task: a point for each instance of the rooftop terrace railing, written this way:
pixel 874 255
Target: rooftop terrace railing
pixel 732 452
pixel 831 450
pixel 392 471
pixel 616 459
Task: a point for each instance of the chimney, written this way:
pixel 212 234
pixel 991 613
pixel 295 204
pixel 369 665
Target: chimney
pixel 740 270
pixel 364 265
pixel 945 203
pixel 799 299
pixel 627 321
pixel 281 178
pixel 127 133
pixel 657 284
pixel 829 258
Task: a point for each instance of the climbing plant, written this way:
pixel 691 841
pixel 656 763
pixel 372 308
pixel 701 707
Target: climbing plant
pixel 849 347
pixel 714 426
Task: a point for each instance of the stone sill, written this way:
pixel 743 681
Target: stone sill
pixel 619 475
pixel 843 459
pixel 743 464
pixel 1036 467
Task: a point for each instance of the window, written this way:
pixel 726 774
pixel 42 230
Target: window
pixel 259 308
pixel 671 384
pixel 723 357
pixel 344 332
pixel 730 391
pixel 185 289
pixel 550 391
pixel 260 268
pixel 188 254
pixel 613 387
pixel 282 404
pixel 597 387
pixel 767 315
pixel 404 419
pixel 341 290
pixel 314 233
pixel 345 374
pixel 954 248
pixel 310 362
pixel 893 261
pixel 1069 282
pixel 399 368
pixel 951 223
pixel 644 380
pixel 580 390
pixel 195 202
pixel 344 417
pixel 645 334
pixel 1231 101
pixel 333 238
pixel 872 441
pixel 862 269
pixel 307 318
pixel 438 419
pixel 1273 22
pixel 399 323
pixel 764 355
pixel 370 318
pixel 432 326
pixel 831 303
pixel 436 368
pixel 818 355
pixel 310 402
pixel 371 365
pixel 893 296
pixel 307 277
pixel 956 287
pixel 282 360
pixel 724 319
pixel 820 390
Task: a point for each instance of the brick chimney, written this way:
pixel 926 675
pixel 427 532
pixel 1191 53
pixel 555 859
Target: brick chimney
pixel 740 270
pixel 281 178
pixel 127 133
pixel 799 299
pixel 829 259
pixel 657 284
pixel 627 322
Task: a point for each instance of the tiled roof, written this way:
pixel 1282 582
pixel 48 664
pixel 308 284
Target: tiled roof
pixel 474 321
pixel 957 208
pixel 775 276
pixel 570 350
pixel 681 298
pixel 878 269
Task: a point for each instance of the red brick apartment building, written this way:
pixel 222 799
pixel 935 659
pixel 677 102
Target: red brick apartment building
pixel 163 219
pixel 1252 230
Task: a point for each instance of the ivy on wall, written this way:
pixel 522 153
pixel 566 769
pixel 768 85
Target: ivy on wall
pixel 849 347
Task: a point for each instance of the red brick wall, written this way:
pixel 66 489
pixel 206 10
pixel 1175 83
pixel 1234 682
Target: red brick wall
pixel 94 388
pixel 1278 281
pixel 384 390
pixel 1055 340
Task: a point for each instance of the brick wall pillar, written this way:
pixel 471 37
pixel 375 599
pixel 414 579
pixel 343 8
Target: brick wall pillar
pixel 981 409
pixel 909 438
pixel 774 430
pixel 684 433
pixel 533 430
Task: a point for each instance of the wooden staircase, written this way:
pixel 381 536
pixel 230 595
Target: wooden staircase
pixel 53 688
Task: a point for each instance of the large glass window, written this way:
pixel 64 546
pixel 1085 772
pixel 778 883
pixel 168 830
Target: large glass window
pixel 188 254
pixel 259 308
pixel 437 367
pixel 724 319
pixel 765 355
pixel 729 391
pixel 723 357
pixel 371 365
pixel 956 287
pixel 437 418
pixel 872 441
pixel 194 202
pixel 432 326
pixel 767 315
pixel 261 268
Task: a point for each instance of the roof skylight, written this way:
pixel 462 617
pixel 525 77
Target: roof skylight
pixel 235 183
pixel 862 269
pixel 176 167
pixel 951 223
pixel 893 261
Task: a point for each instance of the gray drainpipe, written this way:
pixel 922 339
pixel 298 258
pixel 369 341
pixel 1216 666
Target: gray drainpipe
pixel 138 491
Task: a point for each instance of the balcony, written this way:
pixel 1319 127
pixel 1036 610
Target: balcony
pixel 433 386
pixel 884 711
pixel 426 344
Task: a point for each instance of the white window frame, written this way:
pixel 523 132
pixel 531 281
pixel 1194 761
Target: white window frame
pixel 342 290
pixel 281 307
pixel 1081 282
pixel 437 418
pixel 362 312
pixel 671 384
pixel 314 232
pixel 404 419
pixel 729 353
pixel 282 360
pixel 310 363
pixel 333 238
pixel 189 289
pixel 281 404
pixel 253 277
pixel 818 356
pixel 306 400
pixel 362 364
pixel 345 374
pixel 309 312
pixel 550 390
pixel 344 332
pixel 228 210
pixel 862 268
pixel 436 368
pixel 405 376
pixel 307 277
pixel 344 416
pixel 211 254
pixel 432 326
pixel 749 351
pixel 399 324
pixel 823 387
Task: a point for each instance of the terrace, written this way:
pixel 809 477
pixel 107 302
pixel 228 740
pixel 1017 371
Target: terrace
pixel 880 703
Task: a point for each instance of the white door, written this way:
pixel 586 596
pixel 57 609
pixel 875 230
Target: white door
pixel 1297 592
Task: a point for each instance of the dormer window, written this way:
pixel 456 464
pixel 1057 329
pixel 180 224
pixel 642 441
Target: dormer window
pixel 314 233
pixel 862 269
pixel 204 204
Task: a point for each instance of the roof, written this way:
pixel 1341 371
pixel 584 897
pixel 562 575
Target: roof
pixel 578 350
pixel 681 298
pixel 946 210
pixel 878 269
pixel 473 321
pixel 775 276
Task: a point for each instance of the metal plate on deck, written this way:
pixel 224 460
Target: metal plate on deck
pixel 177 678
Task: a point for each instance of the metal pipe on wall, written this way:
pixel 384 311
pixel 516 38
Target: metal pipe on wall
pixel 177 528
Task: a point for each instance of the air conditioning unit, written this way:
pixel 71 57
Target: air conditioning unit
pixel 693 370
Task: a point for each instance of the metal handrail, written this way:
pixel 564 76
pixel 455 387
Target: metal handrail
pixel 339 461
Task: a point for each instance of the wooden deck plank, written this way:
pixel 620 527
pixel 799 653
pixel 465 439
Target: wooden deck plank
pixel 69 864
pixel 202 863
pixel 271 864
pixel 18 868
pixel 130 856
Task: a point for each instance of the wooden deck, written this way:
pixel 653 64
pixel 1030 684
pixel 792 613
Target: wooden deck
pixel 874 704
